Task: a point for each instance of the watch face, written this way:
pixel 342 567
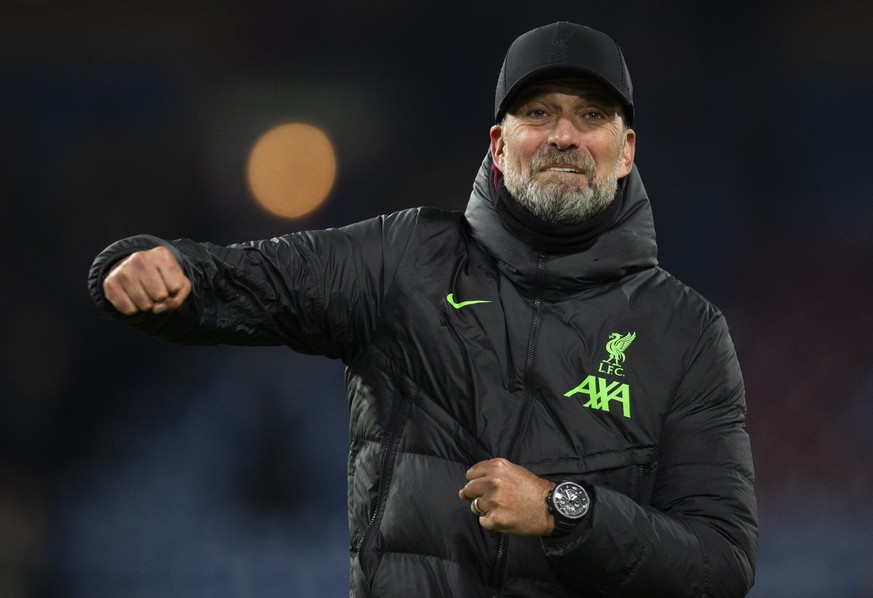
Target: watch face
pixel 570 500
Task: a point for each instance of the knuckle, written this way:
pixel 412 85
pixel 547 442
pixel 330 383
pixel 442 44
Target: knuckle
pixel 136 259
pixel 163 255
pixel 118 274
pixel 180 297
pixel 113 290
pixel 183 287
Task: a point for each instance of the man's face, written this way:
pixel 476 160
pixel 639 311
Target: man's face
pixel 562 148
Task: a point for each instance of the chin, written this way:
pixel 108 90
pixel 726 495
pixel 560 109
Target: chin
pixel 564 189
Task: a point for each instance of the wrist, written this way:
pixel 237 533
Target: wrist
pixel 550 519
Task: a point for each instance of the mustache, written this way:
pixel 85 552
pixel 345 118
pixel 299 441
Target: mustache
pixel 572 157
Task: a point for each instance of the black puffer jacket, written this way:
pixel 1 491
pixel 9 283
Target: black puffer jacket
pixel 464 343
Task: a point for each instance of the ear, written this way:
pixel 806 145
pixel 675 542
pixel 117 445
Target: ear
pixel 627 152
pixel 498 145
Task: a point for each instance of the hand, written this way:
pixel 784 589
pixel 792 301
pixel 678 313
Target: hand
pixel 512 498
pixel 147 281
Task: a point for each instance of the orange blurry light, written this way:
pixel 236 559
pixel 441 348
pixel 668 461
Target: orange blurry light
pixel 292 169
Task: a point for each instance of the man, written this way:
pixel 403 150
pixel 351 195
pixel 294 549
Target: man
pixel 537 409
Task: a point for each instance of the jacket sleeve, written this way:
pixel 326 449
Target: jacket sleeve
pixel 699 536
pixel 318 292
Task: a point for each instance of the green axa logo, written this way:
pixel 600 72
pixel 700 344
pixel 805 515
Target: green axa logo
pixel 600 391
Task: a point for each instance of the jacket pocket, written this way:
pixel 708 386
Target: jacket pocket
pixel 631 471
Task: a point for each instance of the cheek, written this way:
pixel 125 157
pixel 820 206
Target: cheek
pixel 607 156
pixel 519 147
pixel 521 155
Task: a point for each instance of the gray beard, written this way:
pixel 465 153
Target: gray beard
pixel 558 203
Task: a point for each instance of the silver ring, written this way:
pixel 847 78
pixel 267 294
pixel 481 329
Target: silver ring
pixel 474 506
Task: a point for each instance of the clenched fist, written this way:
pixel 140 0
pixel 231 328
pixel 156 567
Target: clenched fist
pixel 147 281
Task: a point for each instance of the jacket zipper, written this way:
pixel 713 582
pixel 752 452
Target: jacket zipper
pixel 639 482
pixel 500 562
pixel 386 470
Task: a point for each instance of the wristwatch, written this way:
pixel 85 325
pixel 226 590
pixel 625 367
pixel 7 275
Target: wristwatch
pixel 568 502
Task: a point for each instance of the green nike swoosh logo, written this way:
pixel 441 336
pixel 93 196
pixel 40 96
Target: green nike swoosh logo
pixel 451 299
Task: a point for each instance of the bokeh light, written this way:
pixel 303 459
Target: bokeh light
pixel 291 169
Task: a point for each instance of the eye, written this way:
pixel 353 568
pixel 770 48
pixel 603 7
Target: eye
pixel 595 114
pixel 536 113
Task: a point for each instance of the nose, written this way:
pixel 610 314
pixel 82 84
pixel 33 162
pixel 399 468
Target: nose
pixel 564 134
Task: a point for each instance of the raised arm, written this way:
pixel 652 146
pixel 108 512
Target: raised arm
pixel 317 292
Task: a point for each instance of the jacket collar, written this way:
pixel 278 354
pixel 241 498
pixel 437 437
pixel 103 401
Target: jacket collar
pixel 622 241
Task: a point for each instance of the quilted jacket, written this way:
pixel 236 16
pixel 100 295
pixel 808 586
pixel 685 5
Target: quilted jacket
pixel 464 339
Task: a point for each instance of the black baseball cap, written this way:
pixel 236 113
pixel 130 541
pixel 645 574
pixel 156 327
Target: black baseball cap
pixel 559 50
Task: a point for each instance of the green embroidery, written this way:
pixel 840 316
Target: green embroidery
pixel 600 392
pixel 451 299
pixel 616 346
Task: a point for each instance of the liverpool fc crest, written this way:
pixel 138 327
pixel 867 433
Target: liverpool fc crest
pixel 616 346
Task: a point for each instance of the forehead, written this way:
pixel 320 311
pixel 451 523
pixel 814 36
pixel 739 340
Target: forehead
pixel 585 89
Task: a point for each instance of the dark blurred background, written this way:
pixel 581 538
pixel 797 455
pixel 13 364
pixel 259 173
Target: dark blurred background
pixel 130 467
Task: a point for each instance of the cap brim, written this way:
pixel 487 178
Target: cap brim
pixel 554 71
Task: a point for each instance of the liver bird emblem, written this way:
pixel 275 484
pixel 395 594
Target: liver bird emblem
pixel 617 345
